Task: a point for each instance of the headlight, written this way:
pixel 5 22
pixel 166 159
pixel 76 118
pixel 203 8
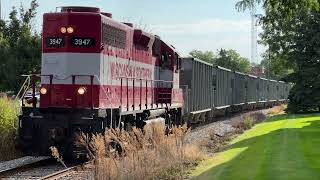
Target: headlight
pixel 63 30
pixel 43 91
pixel 70 30
pixel 81 90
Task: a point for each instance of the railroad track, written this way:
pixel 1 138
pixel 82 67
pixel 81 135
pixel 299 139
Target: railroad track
pixel 44 168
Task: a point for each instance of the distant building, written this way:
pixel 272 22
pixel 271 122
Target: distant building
pixel 258 71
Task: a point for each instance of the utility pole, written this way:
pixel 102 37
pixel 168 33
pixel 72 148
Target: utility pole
pixel 255 22
pixel 0 11
pixel 253 34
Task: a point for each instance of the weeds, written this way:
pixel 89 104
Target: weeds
pixel 215 141
pixel 8 123
pixel 277 110
pixel 137 154
pixel 55 153
pixel 258 117
pixel 248 122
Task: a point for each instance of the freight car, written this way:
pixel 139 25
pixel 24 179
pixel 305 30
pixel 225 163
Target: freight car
pixel 98 73
pixel 211 91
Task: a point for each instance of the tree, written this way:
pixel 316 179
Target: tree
pixel 20 49
pixel 291 32
pixel 285 8
pixel 207 56
pixel 231 59
pixel 276 69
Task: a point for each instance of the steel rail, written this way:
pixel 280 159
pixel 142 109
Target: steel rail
pixel 59 174
pixel 15 164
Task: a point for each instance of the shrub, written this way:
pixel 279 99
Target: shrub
pixel 258 117
pixel 238 124
pixel 277 110
pixel 8 122
pixel 248 122
pixel 137 154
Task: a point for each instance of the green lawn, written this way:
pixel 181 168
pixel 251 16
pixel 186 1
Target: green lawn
pixel 284 147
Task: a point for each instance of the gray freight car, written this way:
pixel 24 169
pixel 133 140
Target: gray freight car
pixel 212 90
pixel 239 91
pixel 262 92
pixel 198 84
pixel 273 91
pixel 252 86
pixel 223 87
pixel 208 89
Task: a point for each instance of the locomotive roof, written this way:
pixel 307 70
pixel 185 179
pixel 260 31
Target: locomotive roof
pixel 79 9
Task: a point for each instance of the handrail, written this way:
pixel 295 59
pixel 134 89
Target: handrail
pixel 23 88
pixel 153 80
pixel 109 97
pixel 153 83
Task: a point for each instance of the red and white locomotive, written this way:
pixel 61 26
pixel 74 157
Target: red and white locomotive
pixel 98 73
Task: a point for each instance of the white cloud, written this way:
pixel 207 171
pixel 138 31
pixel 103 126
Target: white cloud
pixel 210 34
pixel 203 27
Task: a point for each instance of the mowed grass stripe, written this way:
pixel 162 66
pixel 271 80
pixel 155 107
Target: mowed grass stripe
pixel 284 147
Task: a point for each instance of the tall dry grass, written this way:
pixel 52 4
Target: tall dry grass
pixel 248 121
pixel 8 131
pixel 141 154
pixel 277 110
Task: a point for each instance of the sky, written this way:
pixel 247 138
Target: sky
pixel 186 24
